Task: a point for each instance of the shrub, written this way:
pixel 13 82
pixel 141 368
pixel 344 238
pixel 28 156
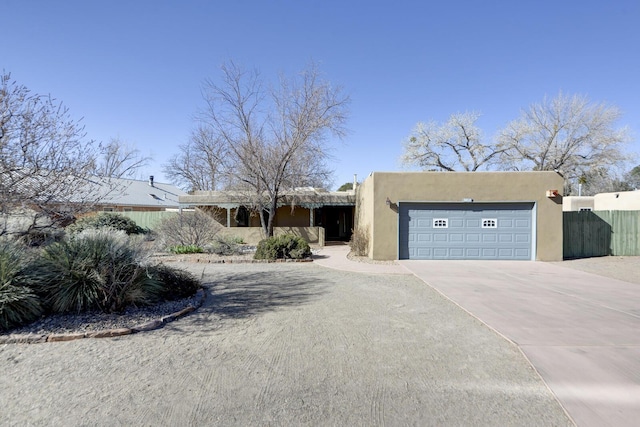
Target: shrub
pixel 106 220
pixel 226 245
pixel 359 242
pixel 41 237
pixel 186 249
pixel 285 246
pixel 95 270
pixel 176 283
pixel 189 228
pixel 18 303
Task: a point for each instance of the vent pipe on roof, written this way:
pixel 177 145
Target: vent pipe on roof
pixel 151 180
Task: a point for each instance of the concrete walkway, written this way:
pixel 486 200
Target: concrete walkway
pixel 335 256
pixel 580 331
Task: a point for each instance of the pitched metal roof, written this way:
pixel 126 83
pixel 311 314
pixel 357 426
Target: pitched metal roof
pixel 132 192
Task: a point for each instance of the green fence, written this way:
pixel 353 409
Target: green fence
pixel 600 233
pixel 148 219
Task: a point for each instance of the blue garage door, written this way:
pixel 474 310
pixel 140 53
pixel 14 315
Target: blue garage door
pixel 466 231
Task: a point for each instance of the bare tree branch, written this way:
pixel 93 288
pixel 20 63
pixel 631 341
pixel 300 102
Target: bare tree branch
pixel 117 159
pixel 45 161
pixel 454 145
pixel 273 139
pixel 568 134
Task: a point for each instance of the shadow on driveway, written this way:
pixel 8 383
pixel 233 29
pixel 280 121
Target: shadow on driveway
pixel 245 294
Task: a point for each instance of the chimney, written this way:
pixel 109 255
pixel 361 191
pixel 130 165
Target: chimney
pixel 355 181
pixel 151 180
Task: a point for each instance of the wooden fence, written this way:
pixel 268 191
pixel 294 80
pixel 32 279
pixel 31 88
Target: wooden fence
pixel 600 233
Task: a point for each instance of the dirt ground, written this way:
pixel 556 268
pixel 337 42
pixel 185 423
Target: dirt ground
pixel 625 268
pixel 285 344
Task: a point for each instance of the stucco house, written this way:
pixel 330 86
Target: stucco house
pixel 577 203
pixel 461 215
pixel 617 201
pixel 315 214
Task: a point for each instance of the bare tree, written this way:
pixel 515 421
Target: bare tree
pixel 45 161
pixel 453 145
pixel 275 139
pixel 118 159
pixel 632 178
pixel 198 164
pixel 568 134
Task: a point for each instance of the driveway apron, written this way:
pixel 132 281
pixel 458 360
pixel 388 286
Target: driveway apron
pixel 580 331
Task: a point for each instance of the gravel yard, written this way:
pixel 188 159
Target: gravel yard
pixel 625 268
pixel 285 344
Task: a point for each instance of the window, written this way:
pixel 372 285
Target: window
pixel 107 209
pixel 440 223
pixel 489 223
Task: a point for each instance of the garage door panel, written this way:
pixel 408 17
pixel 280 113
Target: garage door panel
pixel 461 231
pixel 440 238
pixel 473 237
pixel 456 237
pixel 505 238
pixel 472 253
pixel 489 253
pixel 456 223
pixel 489 238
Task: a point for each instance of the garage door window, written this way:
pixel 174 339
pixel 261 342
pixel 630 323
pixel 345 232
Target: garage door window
pixel 489 223
pixel 440 223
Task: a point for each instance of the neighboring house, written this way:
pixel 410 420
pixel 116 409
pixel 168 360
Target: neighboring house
pixel 617 201
pixel 131 195
pixel 462 215
pixel 577 203
pixel 316 214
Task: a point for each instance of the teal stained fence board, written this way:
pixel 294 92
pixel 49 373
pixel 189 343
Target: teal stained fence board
pixel 625 238
pixel 600 233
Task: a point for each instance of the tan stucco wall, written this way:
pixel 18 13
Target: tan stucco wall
pixel 620 201
pixel 574 203
pixel 454 187
pixel 286 217
pixel 253 235
pixel 364 214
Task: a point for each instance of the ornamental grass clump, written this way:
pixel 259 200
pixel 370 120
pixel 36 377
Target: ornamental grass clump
pixel 96 269
pixel 285 246
pixel 19 304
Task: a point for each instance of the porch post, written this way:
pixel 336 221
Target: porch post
pixel 228 217
pixel 311 217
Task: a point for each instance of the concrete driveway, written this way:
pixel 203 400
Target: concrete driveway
pixel 580 331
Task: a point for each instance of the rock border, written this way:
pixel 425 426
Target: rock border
pixel 237 261
pixel 151 325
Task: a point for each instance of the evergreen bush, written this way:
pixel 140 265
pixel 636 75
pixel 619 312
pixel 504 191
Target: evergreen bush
pixel 285 246
pixel 176 283
pixel 226 245
pixel 106 220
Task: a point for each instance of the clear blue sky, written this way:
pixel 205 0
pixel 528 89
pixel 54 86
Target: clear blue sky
pixel 134 69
